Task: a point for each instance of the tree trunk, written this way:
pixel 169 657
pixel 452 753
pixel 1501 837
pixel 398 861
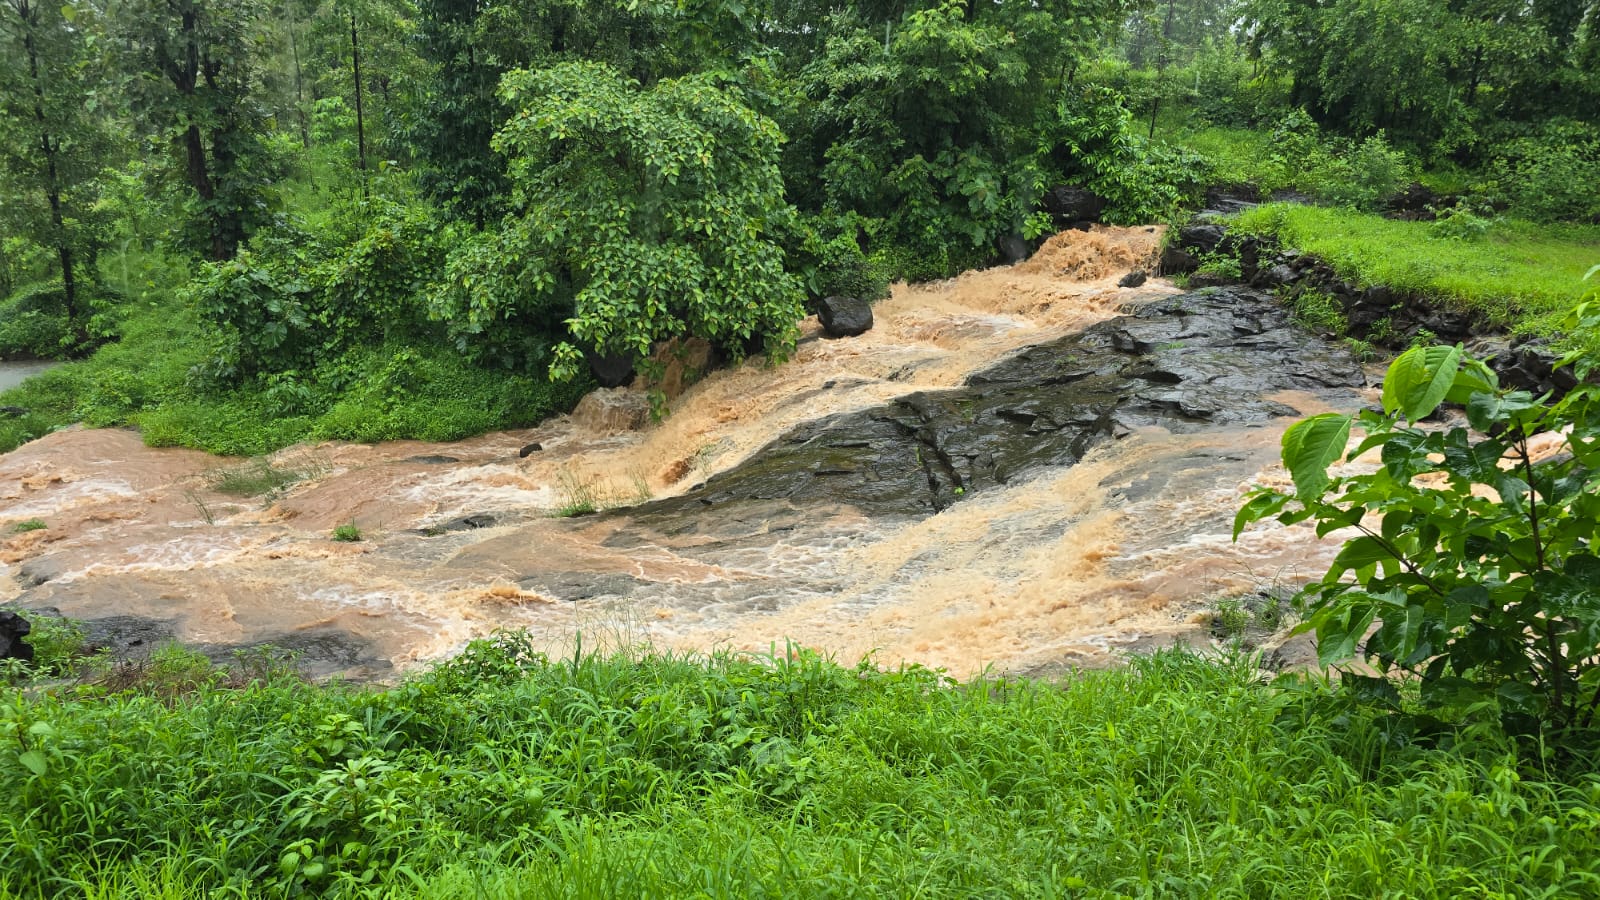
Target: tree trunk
pixel 361 125
pixel 48 146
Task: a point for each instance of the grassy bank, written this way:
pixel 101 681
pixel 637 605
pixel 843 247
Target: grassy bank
pixel 154 378
pixel 1520 276
pixel 503 775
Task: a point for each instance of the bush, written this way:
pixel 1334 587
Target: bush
pixel 843 270
pixel 1553 176
pixel 1476 559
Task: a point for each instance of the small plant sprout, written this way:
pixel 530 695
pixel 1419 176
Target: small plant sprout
pixel 28 525
pixel 347 533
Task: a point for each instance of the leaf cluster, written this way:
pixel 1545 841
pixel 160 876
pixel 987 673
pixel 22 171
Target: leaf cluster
pixel 1473 569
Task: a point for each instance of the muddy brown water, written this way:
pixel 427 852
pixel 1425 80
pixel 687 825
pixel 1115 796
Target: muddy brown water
pixel 1022 469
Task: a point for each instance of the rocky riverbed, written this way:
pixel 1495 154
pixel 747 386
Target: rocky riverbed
pixel 1025 468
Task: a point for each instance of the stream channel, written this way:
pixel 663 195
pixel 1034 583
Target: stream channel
pixel 1025 469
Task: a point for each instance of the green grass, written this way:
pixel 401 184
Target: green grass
pixel 255 478
pixel 28 525
pixel 347 533
pixel 1520 276
pixel 501 774
pixel 147 379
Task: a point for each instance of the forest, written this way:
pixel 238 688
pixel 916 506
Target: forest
pixel 255 223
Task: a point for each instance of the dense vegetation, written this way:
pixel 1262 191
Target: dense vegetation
pixel 366 220
pixel 502 774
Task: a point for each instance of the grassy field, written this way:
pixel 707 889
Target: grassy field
pixel 1518 275
pixel 502 775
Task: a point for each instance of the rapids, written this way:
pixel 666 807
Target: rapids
pixel 1022 468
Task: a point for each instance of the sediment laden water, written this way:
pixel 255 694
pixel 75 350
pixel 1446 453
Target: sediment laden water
pixel 1024 468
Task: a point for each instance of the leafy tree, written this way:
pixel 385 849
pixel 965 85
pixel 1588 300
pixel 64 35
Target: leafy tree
pixel 1475 569
pixel 640 214
pixel 198 83
pixel 52 140
pixel 934 120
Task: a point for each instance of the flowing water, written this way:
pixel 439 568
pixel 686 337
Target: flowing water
pixel 1025 468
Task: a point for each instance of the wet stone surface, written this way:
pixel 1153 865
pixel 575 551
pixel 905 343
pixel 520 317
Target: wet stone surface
pixel 1195 361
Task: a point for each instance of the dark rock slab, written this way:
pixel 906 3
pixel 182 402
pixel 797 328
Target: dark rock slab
pixel 1190 362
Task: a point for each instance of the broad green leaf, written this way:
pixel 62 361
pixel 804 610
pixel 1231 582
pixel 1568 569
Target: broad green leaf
pixel 1419 380
pixel 1258 507
pixel 1310 446
pixel 33 760
pixel 1361 552
pixel 1474 377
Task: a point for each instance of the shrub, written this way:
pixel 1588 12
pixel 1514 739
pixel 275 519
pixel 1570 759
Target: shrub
pixel 347 533
pixel 1475 560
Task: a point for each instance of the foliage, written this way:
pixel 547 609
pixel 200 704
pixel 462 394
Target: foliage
pixel 1551 175
pixel 53 141
pixel 1519 276
pixel 502 773
pixel 27 525
pixel 643 214
pixel 347 533
pixel 1429 71
pixel 1474 558
pixel 199 87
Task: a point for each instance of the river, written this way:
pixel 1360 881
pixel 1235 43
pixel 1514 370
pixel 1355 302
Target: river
pixel 1027 468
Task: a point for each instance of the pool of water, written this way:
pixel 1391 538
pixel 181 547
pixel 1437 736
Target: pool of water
pixel 14 373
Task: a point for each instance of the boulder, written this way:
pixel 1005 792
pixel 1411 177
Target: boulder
pixel 1177 261
pixel 610 369
pixel 529 449
pixel 13 628
pixel 1134 279
pixel 1013 248
pixel 1068 204
pixel 1201 239
pixel 844 316
pixel 612 410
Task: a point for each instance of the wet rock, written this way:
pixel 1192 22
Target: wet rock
pixel 1134 279
pixel 468 523
pixel 1210 279
pixel 40 570
pixel 1201 239
pixel 1189 362
pixel 1177 261
pixel 529 449
pixel 16 411
pixel 433 460
pixel 1275 276
pixel 844 316
pixel 610 369
pixel 1416 203
pixel 1296 654
pixel 1013 248
pixel 1070 205
pixel 128 636
pixel 13 628
pixel 612 410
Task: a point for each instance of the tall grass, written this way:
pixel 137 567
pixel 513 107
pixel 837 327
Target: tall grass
pixel 1519 275
pixel 503 774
